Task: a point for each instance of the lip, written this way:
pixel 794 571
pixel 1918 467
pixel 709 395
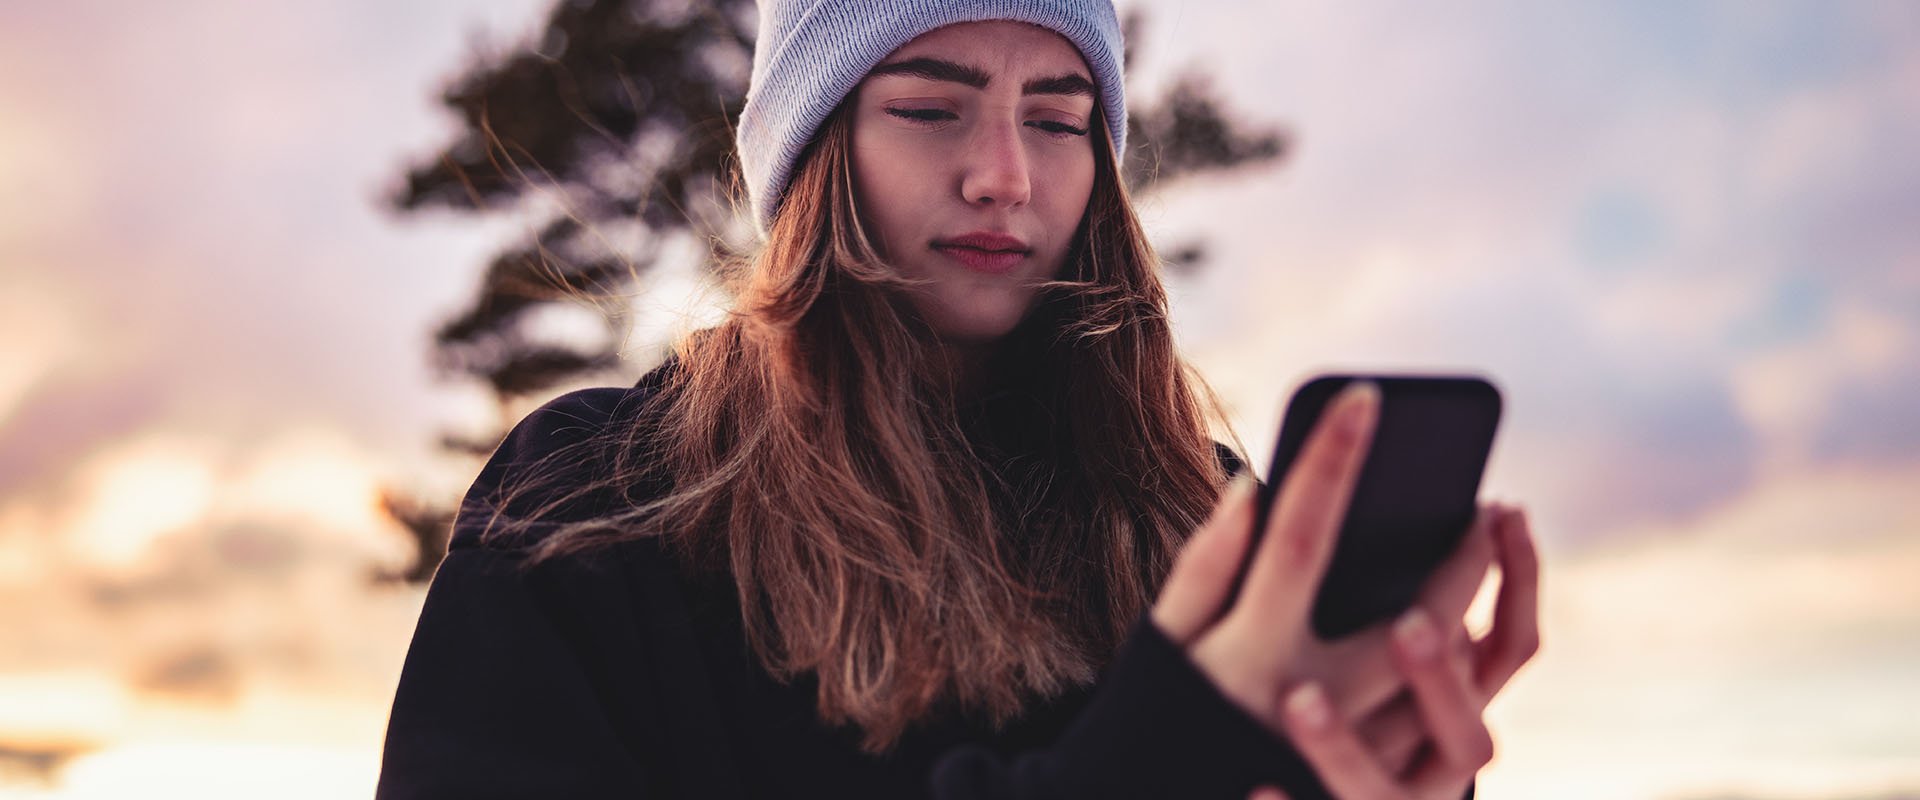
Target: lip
pixel 984 251
pixel 984 240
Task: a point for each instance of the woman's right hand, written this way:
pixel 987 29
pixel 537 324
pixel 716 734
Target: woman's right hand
pixel 1250 650
pixel 1263 645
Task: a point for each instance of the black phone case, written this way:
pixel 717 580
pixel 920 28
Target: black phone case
pixel 1416 496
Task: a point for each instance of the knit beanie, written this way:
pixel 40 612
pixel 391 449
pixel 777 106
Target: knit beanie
pixel 812 53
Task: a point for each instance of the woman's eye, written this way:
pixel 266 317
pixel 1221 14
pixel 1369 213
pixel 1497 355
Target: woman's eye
pixel 923 114
pixel 1058 128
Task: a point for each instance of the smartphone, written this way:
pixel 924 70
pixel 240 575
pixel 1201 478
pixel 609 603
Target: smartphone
pixel 1417 494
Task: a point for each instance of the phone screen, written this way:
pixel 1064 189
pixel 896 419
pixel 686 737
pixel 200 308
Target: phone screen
pixel 1416 496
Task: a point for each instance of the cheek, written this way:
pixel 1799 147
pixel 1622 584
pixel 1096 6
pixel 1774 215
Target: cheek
pixel 1069 187
pixel 1066 175
pixel 887 190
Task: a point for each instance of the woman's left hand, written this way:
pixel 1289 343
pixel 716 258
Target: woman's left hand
pixel 1428 746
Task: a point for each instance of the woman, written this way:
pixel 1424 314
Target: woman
pixel 906 522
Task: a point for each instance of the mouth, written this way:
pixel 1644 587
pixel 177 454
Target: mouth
pixel 983 251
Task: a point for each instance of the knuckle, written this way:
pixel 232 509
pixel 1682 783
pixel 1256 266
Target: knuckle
pixel 1483 751
pixel 1299 544
pixel 1529 644
pixel 1333 457
pixel 1527 559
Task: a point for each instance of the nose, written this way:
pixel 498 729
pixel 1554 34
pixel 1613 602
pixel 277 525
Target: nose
pixel 996 171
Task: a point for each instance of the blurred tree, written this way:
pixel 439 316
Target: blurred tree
pixel 615 128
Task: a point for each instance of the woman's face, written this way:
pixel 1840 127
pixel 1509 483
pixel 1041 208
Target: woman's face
pixel 973 160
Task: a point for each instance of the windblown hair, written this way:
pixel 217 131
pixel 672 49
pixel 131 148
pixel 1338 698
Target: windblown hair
pixel 914 551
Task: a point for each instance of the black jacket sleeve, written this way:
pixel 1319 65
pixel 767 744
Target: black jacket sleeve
pixel 1156 727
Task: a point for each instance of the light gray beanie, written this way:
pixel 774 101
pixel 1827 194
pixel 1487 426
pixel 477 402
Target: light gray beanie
pixel 811 53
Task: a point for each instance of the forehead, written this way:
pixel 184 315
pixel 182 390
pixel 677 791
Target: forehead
pixel 1015 48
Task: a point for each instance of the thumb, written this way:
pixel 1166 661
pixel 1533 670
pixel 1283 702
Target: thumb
pixel 1197 586
pixel 1267 793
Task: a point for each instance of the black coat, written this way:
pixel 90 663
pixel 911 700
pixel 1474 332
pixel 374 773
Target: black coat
pixel 615 676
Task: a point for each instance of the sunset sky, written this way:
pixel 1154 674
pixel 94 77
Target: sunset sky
pixel 1684 238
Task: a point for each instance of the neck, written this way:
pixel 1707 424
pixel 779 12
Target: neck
pixel 968 369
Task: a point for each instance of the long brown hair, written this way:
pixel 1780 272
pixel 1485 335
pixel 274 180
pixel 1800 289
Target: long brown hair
pixel 913 550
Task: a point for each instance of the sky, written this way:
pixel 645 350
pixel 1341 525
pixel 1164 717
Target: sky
pixel 1679 235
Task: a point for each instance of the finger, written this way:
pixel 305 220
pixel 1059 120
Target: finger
pixel 1306 517
pixel 1201 577
pixel 1268 793
pixel 1331 747
pixel 1465 653
pixel 1356 670
pixel 1365 683
pixel 1394 733
pixel 1440 676
pixel 1515 636
pixel 1433 776
pixel 1451 589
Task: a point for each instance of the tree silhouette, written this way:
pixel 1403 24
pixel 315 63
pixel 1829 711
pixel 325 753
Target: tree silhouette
pixel 614 129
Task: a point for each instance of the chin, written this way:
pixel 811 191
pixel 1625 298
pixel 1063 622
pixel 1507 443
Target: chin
pixel 973 331
pixel 973 317
pixel 974 326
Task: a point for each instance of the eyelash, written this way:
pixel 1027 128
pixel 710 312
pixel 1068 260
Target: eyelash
pixel 941 115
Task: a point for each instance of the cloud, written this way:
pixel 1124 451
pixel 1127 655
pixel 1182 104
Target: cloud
pixel 197 188
pixel 1678 235
pixel 1764 645
pixel 31 312
pixel 187 593
pixel 219 769
pixel 141 492
pixel 1844 394
pixel 147 501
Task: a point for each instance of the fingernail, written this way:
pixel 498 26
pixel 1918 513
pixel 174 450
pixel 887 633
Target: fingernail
pixel 1308 705
pixel 1362 397
pixel 1234 495
pixel 1511 522
pixel 1416 634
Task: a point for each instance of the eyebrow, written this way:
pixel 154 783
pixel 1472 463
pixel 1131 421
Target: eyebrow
pixel 935 69
pixel 1068 84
